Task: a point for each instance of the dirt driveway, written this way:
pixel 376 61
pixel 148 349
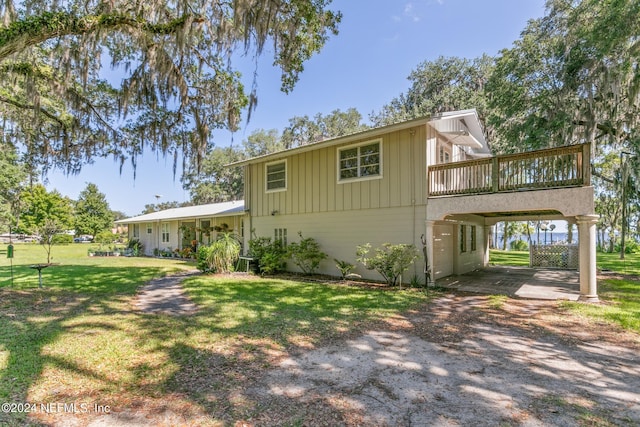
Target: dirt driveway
pixel 466 361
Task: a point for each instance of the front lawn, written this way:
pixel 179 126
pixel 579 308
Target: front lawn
pixel 80 340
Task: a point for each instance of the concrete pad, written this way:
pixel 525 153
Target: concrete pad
pixel 518 282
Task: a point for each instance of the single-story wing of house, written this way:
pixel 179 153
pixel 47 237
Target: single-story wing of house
pixel 178 228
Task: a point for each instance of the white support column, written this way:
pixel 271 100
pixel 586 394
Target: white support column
pixel 587 250
pixel 429 239
pixel 487 244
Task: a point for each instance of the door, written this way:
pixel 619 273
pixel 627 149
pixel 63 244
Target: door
pixel 442 251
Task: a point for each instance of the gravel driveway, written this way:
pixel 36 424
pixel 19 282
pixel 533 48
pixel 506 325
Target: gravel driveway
pixel 462 363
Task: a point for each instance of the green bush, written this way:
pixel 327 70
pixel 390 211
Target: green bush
pixel 203 259
pixel 135 246
pixel 306 254
pixel 519 245
pixel 630 247
pixel 105 238
pixel 389 260
pixel 344 267
pixel 61 239
pixel 270 255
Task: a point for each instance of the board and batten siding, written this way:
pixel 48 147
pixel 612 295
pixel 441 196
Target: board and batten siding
pixel 339 233
pixel 312 179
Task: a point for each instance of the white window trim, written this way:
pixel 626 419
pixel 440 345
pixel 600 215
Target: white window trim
pixel 167 232
pixel 358 178
pixel 149 228
pixel 286 176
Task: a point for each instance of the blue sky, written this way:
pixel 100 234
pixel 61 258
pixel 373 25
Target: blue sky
pixel 365 66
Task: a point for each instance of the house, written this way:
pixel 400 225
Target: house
pixel 432 177
pixel 171 229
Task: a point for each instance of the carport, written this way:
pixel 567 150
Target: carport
pixel 551 184
pixel 518 282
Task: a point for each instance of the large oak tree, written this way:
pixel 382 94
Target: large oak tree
pixel 87 78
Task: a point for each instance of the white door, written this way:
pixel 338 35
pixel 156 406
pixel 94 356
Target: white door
pixel 442 251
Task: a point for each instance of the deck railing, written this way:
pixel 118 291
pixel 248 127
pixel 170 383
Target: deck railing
pixel 535 170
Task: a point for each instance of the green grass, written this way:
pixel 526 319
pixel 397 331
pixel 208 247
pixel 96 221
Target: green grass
pixel 621 297
pixel 79 339
pixel 500 257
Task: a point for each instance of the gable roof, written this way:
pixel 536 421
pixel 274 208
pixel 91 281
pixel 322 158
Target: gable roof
pixel 198 211
pixel 465 123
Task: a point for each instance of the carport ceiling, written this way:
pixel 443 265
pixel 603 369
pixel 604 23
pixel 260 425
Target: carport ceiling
pixel 521 213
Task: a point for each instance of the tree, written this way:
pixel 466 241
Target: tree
pixel 446 84
pixel 45 214
pixel 214 182
pixel 176 59
pixel 92 213
pixel 303 130
pixel 12 181
pixel 155 207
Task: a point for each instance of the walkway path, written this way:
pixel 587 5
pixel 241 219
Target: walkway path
pixel 165 295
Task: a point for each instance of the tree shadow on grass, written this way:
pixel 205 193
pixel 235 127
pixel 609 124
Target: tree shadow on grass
pixel 33 319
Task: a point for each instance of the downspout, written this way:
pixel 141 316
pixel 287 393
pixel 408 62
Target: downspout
pixel 412 187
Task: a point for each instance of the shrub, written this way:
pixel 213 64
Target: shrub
pixel 224 252
pixel 61 239
pixel 519 245
pixel 630 247
pixel 105 237
pixel 306 254
pixel 389 260
pixel 270 255
pixel 203 259
pixel 135 246
pixel 345 268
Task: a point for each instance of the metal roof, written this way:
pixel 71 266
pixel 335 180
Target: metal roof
pixel 199 211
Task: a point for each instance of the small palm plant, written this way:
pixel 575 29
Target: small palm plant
pixel 224 252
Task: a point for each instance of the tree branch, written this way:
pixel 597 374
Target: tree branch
pixel 34 30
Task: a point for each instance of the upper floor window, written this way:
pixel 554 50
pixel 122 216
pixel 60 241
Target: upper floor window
pixel 276 176
pixel 360 161
pixel 445 154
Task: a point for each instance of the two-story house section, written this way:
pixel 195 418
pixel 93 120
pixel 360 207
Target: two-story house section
pixel 432 177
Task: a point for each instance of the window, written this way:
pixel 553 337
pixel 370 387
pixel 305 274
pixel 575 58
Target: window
pixel 473 238
pixel 165 232
pixel 445 154
pixel 276 176
pixel 280 234
pixel 149 229
pixel 205 231
pixel 463 238
pixel 136 230
pixel 360 162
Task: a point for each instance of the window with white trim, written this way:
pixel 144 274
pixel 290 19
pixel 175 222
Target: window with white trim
pixel 149 229
pixel 165 232
pixel 276 176
pixel 136 230
pixel 360 161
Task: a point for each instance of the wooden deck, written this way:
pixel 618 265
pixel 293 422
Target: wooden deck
pixel 560 167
